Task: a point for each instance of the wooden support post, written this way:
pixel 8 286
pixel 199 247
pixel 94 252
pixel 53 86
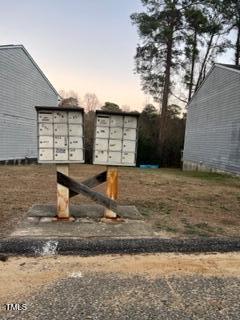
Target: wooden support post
pixel 62 194
pixel 112 190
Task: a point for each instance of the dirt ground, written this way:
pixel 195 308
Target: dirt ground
pixel 22 277
pixel 178 203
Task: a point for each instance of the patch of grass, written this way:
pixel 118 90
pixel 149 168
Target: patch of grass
pixel 211 176
pixel 145 211
pixel 149 207
pixel 165 227
pixel 202 229
pixel 228 222
pixel 224 207
pixel 170 229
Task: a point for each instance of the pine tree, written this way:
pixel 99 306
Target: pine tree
pixel 158 54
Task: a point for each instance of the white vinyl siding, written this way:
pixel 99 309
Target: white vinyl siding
pixel 22 87
pixel 212 135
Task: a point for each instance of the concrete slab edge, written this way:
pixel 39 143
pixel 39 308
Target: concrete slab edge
pixel 91 247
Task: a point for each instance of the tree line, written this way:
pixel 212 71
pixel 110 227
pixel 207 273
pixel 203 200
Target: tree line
pixel 147 133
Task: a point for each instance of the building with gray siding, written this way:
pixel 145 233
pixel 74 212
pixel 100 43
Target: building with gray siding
pixel 22 86
pixel 212 138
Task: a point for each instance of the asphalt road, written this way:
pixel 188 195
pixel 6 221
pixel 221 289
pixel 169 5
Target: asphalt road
pixel 102 296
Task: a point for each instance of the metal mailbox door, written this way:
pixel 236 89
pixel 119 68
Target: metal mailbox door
pixel 75 154
pixel 114 156
pixel 75 117
pixel 60 117
pixel 45 129
pixel 75 142
pixel 128 157
pixel 60 129
pixel 129 134
pixel 61 154
pixel 101 144
pixel 60 141
pixel 116 121
pixel 130 122
pixel 45 142
pixel 102 132
pixel 129 146
pixel 45 154
pixel 45 117
pixel 115 145
pixel 75 130
pixel 116 133
pixel 103 121
pixel 101 156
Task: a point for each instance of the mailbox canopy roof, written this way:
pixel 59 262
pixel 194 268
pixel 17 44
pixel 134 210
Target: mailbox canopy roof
pixel 70 108
pixel 118 113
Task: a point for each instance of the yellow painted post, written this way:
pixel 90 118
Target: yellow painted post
pixel 62 194
pixel 112 190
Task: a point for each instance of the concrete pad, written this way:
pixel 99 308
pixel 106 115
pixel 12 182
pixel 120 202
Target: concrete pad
pixel 87 223
pixel 93 211
pixel 79 229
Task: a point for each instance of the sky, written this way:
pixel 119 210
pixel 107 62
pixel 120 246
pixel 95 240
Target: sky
pixel 80 45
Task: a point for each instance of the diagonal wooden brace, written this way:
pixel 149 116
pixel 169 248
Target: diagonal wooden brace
pixel 78 187
pixel 91 182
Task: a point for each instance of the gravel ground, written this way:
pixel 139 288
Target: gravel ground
pixel 112 296
pixel 119 287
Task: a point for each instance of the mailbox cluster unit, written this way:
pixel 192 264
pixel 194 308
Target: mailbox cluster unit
pixel 115 138
pixel 60 135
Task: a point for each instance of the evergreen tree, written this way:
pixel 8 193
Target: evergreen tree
pixel 158 54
